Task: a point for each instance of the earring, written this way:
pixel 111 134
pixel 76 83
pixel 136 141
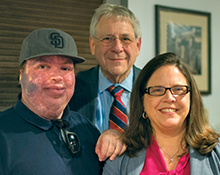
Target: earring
pixel 144 115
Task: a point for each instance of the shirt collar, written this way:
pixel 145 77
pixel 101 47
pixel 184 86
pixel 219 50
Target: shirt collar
pixel 126 84
pixel 33 118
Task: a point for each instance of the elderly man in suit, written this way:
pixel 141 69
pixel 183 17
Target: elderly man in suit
pixel 115 41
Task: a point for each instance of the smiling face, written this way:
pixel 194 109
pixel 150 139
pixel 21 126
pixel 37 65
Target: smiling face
pixel 169 111
pixel 115 60
pixel 47 85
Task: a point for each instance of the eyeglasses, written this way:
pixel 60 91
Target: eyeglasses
pixel 160 90
pixel 70 139
pixel 110 39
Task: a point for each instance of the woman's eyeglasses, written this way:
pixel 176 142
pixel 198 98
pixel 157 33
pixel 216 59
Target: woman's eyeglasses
pixel 70 139
pixel 160 90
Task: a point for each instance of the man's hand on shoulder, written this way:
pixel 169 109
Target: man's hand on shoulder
pixel 110 145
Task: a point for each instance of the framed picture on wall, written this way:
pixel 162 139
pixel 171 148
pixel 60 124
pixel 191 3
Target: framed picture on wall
pixel 186 33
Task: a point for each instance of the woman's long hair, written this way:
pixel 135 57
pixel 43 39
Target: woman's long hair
pixel 198 133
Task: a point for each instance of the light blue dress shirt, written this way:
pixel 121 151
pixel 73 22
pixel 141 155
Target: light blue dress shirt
pixel 105 99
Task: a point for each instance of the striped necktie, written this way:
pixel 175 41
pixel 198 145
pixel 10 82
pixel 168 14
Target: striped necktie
pixel 118 115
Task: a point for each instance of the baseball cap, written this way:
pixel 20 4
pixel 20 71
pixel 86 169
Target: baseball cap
pixel 49 41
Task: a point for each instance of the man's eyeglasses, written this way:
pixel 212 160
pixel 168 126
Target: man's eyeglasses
pixel 110 40
pixel 70 139
pixel 160 90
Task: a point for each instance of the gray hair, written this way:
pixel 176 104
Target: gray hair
pixel 120 12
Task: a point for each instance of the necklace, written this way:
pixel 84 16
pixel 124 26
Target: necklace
pixel 171 157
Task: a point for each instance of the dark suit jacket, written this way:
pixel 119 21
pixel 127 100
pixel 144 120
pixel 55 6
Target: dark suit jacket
pixel 84 99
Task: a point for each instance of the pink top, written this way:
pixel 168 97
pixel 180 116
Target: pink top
pixel 155 164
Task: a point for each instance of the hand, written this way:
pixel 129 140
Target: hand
pixel 109 145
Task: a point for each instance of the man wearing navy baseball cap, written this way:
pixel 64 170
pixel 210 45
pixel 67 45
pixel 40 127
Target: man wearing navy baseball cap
pixel 39 134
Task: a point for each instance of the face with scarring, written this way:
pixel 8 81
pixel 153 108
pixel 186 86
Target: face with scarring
pixel 47 84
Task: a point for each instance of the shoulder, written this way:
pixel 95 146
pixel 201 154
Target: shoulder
pixel 81 123
pixel 125 165
pixel 205 164
pixel 115 167
pixel 77 118
pixel 87 78
pixel 215 155
pixel 136 69
pixel 6 112
pixel 93 72
pixel 7 116
pixel 216 151
pixel 136 72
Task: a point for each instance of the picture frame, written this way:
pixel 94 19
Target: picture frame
pixel 188 34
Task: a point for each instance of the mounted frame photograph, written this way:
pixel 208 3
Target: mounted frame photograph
pixel 186 33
